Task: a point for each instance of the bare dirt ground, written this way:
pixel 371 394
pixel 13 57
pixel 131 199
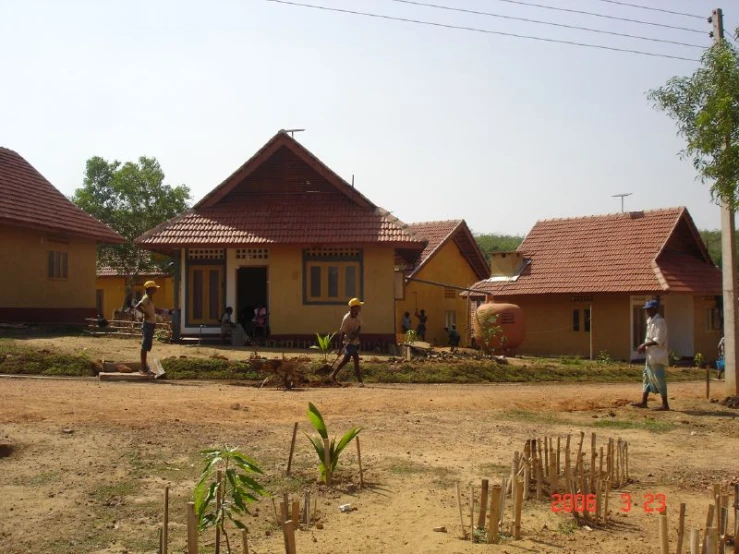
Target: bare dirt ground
pixel 90 460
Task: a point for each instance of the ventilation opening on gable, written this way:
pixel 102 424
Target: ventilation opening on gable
pixel 333 253
pixel 252 253
pixel 206 254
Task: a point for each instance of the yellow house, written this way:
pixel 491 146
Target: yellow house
pixel 110 290
pixel 286 232
pixel 451 262
pixel 47 247
pixel 582 283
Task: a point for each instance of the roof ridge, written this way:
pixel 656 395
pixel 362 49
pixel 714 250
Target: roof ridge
pixel 675 209
pixel 455 221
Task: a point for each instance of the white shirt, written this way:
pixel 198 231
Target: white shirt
pixel 350 325
pixel 657 332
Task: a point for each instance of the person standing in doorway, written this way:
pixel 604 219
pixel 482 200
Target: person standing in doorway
pixel 421 329
pixel 657 357
pixel 148 310
pixel 351 326
pixel 405 323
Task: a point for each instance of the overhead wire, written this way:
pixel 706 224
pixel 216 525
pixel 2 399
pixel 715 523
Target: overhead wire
pixel 601 15
pixel 479 30
pixel 650 8
pixel 541 22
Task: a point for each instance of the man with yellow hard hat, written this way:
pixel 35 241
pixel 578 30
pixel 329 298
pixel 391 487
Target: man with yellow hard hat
pixel 149 311
pixel 351 325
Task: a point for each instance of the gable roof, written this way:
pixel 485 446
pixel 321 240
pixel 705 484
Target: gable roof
pixel 439 233
pixel 282 195
pixel 641 252
pixel 28 200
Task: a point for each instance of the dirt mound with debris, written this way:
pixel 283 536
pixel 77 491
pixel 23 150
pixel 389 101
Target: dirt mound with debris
pixel 731 402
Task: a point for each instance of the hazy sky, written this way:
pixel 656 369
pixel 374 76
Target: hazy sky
pixel 434 123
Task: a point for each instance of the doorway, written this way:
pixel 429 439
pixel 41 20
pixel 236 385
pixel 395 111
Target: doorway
pixel 251 291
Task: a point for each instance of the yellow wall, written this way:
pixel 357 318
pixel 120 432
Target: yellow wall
pixel 706 340
pixel 447 266
pixel 114 292
pixel 24 281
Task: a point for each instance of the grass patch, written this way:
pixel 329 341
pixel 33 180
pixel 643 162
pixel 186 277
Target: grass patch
pixel 210 368
pixel 106 493
pixel 21 360
pixel 651 425
pixel 407 467
pixel 45 478
pixel 530 417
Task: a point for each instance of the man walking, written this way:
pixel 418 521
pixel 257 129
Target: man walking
pixel 351 325
pixel 149 311
pixel 657 358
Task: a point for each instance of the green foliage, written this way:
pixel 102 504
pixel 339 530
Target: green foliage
pixel 705 107
pixel 604 357
pixel 673 358
pixel 490 332
pixel 411 336
pixel 324 344
pixel 18 360
pixel 238 487
pixel 490 243
pixel 698 360
pixel 131 198
pixel 335 449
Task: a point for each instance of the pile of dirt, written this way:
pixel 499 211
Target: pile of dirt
pixel 731 402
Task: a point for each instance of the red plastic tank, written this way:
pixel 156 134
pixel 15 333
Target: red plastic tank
pixel 510 320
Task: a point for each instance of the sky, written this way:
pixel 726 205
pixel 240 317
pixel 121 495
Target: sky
pixel 433 123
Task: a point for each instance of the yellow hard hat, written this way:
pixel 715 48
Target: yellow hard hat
pixel 151 285
pixel 355 302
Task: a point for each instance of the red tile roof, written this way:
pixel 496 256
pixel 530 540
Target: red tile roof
pixel 27 199
pixel 282 195
pixel 641 252
pixel 438 233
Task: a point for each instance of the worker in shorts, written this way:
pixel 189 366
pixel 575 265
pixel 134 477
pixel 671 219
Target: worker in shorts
pixel 148 309
pixel 351 325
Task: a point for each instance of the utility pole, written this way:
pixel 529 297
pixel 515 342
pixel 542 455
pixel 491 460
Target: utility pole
pixel 728 244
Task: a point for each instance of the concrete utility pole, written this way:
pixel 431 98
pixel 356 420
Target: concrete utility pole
pixel 728 243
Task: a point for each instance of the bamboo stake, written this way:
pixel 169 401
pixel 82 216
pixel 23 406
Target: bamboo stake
pixel 547 467
pixel 598 499
pixel 504 486
pixel 459 505
pixel 568 468
pixel 663 539
pixel 592 462
pixel 327 460
pixel 553 481
pixel 526 481
pixel 306 509
pixel 618 463
pixel 582 483
pixel 600 472
pixel 695 538
pixel 626 451
pixel 277 517
pixel 472 513
pixel 559 467
pixel 514 471
pixel 711 544
pixel 244 541
pixel 483 504
pixel 494 519
pixel 527 449
pixel 539 479
pixel 283 513
pixel 579 447
pixel 288 532
pixel 717 497
pixel 736 519
pixel 296 513
pixel 192 531
pixel 292 448
pixel 709 520
pixel 359 459
pixel 165 521
pixel 681 529
pixel 605 502
pixel 518 505
pixel 219 500
pixel 722 525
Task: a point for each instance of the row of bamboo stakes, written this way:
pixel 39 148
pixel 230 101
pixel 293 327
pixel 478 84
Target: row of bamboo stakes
pixel 543 470
pixel 716 535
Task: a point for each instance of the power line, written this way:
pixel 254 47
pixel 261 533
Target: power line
pixel 639 6
pixel 538 21
pixel 478 30
pixel 604 16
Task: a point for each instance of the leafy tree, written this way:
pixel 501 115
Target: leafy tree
pixel 490 243
pixel 131 198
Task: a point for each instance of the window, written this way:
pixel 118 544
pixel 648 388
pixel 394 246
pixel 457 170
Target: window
pixel 712 319
pixel 450 293
pixel 332 275
pixel 205 295
pixel 57 265
pixel 450 318
pixel 575 320
pixel 587 320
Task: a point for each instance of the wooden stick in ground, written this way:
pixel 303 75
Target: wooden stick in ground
pixel 483 504
pixel 546 456
pixel 695 541
pixel 600 461
pixel 736 519
pixel 306 510
pixel 192 529
pixel 526 481
pixel 559 466
pixel 717 498
pixel 277 517
pixel 592 462
pixel 663 542
pixel 598 499
pixel 244 542
pixel 626 452
pixel 554 482
pixel 583 484
pixel 527 449
pixel 711 541
pixel 579 447
pixel 709 520
pixel 461 519
pixel 472 513
pixel 722 532
pixel 539 479
pixel 165 521
pixel 292 448
pixel 296 513
pixel 327 460
pixel 514 471
pixel 219 500
pixel 681 529
pixel 288 532
pixel 605 502
pixel 359 459
pixel 504 486
pixel 518 505
pixel 494 519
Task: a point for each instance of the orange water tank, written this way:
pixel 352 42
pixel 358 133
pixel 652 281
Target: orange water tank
pixel 508 317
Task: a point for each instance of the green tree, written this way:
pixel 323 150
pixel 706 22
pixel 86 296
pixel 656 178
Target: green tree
pixel 131 198
pixel 490 243
pixel 705 107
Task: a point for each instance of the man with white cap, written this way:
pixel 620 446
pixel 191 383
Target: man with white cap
pixel 657 357
pixel 149 311
pixel 351 325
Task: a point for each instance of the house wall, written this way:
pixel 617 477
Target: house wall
pixel 26 291
pixel 447 266
pixel 549 324
pixel 114 292
pixel 290 317
pixel 706 337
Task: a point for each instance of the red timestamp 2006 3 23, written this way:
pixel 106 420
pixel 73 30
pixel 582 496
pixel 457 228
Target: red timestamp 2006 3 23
pixel 569 503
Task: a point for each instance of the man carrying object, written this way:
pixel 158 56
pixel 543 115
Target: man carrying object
pixel 149 311
pixel 351 325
